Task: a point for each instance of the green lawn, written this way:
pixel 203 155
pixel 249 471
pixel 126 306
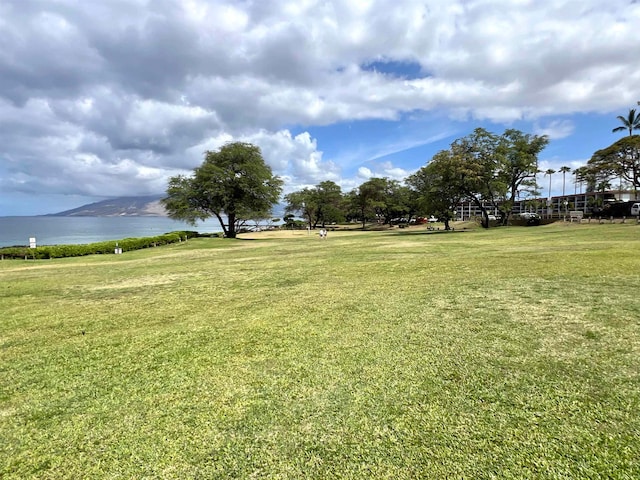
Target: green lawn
pixel 507 353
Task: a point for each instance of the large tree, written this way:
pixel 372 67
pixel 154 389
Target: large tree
pixel 319 205
pixel 473 163
pixel 493 170
pixel 386 198
pixel 233 184
pixel 304 203
pixel 371 198
pixel 619 160
pixel 517 168
pixel 436 187
pixel 496 169
pixel 367 201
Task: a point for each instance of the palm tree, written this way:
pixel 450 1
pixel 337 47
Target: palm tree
pixel 564 170
pixel 549 172
pixel 631 123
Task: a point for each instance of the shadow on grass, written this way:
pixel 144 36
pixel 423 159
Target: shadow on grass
pixel 429 232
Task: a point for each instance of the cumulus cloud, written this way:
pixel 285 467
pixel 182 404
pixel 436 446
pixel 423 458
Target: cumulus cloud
pixel 114 97
pixel 295 158
pixel 383 170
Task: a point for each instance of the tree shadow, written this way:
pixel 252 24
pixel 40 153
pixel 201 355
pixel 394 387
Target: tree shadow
pixel 429 232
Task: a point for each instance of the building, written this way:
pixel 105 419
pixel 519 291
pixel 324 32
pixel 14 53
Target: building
pixel 608 203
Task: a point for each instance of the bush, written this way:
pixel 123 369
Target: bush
pixel 98 248
pixel 294 225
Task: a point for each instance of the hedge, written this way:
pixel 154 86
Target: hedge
pixel 108 247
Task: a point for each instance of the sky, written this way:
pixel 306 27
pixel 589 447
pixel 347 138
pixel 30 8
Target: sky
pixel 110 98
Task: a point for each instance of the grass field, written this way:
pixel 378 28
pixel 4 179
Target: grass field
pixel 507 353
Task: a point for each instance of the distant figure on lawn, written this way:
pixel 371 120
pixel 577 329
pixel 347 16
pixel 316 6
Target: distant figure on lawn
pixel 323 233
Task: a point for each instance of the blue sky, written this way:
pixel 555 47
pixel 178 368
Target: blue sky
pixel 107 99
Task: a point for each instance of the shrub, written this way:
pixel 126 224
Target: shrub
pixel 97 248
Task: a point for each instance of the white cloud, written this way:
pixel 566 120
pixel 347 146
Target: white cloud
pixel 555 129
pixel 365 174
pixel 141 89
pixel 383 170
pixel 295 157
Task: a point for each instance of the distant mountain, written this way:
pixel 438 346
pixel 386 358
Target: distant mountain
pixel 148 206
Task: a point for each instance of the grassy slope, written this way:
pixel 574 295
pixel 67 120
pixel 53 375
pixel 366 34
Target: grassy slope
pixel 508 353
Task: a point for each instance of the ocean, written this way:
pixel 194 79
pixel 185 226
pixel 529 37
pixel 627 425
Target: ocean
pixel 49 230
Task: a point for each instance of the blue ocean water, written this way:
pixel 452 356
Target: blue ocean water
pixel 49 230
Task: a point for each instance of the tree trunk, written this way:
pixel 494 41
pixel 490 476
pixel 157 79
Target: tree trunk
pixel 225 229
pixel 484 215
pixel 231 228
pixel 483 211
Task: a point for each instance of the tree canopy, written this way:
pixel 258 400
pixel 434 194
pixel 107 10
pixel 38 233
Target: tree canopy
pixel 318 205
pixel 620 159
pixel 437 188
pixel 489 169
pixel 234 184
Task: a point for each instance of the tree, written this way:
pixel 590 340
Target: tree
pixel 621 159
pixel 359 206
pixel 485 169
pixel 372 195
pixel 517 169
pixel 393 199
pixel 368 200
pixel 318 205
pixel 586 175
pixel 495 169
pixel 234 184
pixel 550 172
pixel 576 181
pixel 436 187
pixel 330 203
pixel 564 170
pixel 473 164
pixel 302 202
pixel 630 123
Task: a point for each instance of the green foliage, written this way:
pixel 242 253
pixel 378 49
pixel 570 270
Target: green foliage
pixel 97 248
pixel 361 204
pixel 319 205
pixel 381 199
pixel 234 184
pixel 484 167
pixel 619 160
pixel 436 187
pixel 630 123
pixel 294 224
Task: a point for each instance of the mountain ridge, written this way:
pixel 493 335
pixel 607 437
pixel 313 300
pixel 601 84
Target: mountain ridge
pixel 143 206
